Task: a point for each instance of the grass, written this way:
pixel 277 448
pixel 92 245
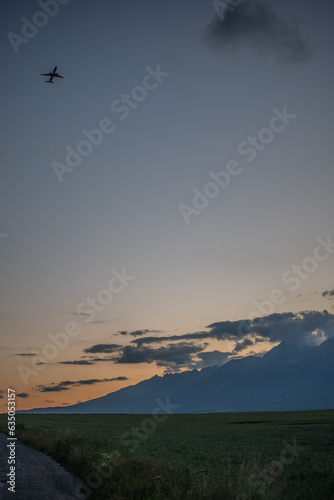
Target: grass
pixel 209 456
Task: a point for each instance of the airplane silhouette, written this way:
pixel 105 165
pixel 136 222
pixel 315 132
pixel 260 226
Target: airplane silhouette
pixel 51 75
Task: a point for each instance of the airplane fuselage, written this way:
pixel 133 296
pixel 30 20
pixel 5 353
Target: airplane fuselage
pixel 52 75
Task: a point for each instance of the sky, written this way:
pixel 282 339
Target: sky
pixel 168 204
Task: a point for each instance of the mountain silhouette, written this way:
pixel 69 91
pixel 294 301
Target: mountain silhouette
pixel 289 377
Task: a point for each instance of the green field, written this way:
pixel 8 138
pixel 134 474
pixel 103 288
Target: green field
pixel 288 455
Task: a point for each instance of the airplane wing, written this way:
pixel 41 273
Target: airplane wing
pixel 45 74
pixel 58 76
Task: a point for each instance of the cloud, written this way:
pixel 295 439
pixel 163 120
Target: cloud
pixel 228 330
pixel 68 384
pixel 213 358
pixel 76 362
pixel 138 333
pixel 328 293
pixel 306 327
pixel 184 351
pixel 247 342
pixel 25 354
pixel 23 395
pixel 51 388
pixel 106 358
pixel 256 23
pixel 173 356
pixel 74 313
pixel 158 340
pixel 105 348
pixel 301 327
pixel 240 346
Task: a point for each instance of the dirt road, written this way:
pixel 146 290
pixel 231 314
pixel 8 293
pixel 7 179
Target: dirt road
pixel 37 476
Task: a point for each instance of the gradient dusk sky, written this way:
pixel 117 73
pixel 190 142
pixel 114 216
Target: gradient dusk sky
pixel 206 199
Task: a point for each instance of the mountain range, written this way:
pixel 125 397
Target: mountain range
pixel 289 377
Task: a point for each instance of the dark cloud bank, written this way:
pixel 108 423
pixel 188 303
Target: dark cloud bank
pixel 138 333
pixel 68 384
pixel 257 24
pixel 188 350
